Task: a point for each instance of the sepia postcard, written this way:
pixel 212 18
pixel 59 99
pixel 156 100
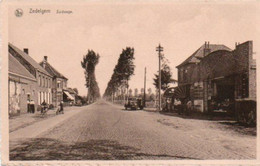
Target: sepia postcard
pixel 129 82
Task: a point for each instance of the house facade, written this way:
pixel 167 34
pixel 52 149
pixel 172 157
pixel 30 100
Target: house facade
pixel 22 87
pixel 219 76
pixel 59 82
pixel 44 80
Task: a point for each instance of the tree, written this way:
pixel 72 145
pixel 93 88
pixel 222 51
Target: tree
pixel 130 92
pixel 88 64
pixel 136 92
pixel 152 97
pixel 165 75
pixel 149 91
pixel 123 70
pixel 142 90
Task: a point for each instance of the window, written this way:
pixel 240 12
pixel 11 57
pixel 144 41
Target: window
pixel 39 80
pixel 58 84
pixel 43 81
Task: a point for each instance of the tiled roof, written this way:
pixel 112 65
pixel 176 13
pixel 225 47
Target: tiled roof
pixel 29 59
pixel 52 71
pixel 16 67
pixel 198 54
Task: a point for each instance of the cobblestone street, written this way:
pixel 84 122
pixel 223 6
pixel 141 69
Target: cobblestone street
pixel 107 132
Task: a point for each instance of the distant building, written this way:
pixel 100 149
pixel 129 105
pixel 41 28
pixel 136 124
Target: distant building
pixel 59 81
pixel 215 73
pixel 44 79
pixel 70 95
pixel 22 87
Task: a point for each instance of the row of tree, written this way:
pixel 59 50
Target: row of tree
pixel 88 64
pixel 123 70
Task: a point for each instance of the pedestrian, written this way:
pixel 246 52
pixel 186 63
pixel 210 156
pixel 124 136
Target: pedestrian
pixel 189 107
pixel 44 106
pixel 177 105
pixel 61 106
pixel 28 106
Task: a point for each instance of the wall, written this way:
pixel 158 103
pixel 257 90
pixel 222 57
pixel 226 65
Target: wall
pixel 19 89
pixel 187 74
pixel 44 88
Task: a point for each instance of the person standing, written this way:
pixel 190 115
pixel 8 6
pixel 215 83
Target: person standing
pixel 44 106
pixel 61 106
pixel 28 106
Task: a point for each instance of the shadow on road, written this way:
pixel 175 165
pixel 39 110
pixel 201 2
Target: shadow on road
pixel 51 149
pixel 200 116
pixel 225 122
pixel 237 127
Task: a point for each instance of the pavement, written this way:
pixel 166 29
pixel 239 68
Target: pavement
pixel 23 120
pixel 104 131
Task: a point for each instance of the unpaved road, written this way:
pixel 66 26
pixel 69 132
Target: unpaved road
pixel 107 132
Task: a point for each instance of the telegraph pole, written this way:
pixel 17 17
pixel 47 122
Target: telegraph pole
pixel 144 85
pixel 159 49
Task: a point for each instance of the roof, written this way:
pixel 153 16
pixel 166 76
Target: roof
pixel 16 67
pixel 199 53
pixel 29 59
pixel 71 91
pixel 52 71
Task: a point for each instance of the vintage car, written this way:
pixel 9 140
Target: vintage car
pixel 134 104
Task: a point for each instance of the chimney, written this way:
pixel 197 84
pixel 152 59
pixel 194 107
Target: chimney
pixel 45 58
pixel 206 48
pixel 26 50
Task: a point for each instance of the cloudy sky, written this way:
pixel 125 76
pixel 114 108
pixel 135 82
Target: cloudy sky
pixel 107 28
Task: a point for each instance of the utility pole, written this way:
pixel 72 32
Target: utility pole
pixel 159 49
pixel 127 86
pixel 88 89
pixel 144 85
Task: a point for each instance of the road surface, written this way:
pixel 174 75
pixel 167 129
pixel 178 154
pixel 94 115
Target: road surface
pixel 103 131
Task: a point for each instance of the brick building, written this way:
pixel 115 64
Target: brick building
pixel 219 75
pixel 59 81
pixel 44 80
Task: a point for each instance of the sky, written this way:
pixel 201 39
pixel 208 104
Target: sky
pixel 107 28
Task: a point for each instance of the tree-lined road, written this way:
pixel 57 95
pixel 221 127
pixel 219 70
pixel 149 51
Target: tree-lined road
pixel 105 131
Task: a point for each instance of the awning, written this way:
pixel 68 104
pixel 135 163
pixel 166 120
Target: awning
pixel 181 92
pixel 69 95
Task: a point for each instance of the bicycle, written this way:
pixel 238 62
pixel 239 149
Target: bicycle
pixel 44 110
